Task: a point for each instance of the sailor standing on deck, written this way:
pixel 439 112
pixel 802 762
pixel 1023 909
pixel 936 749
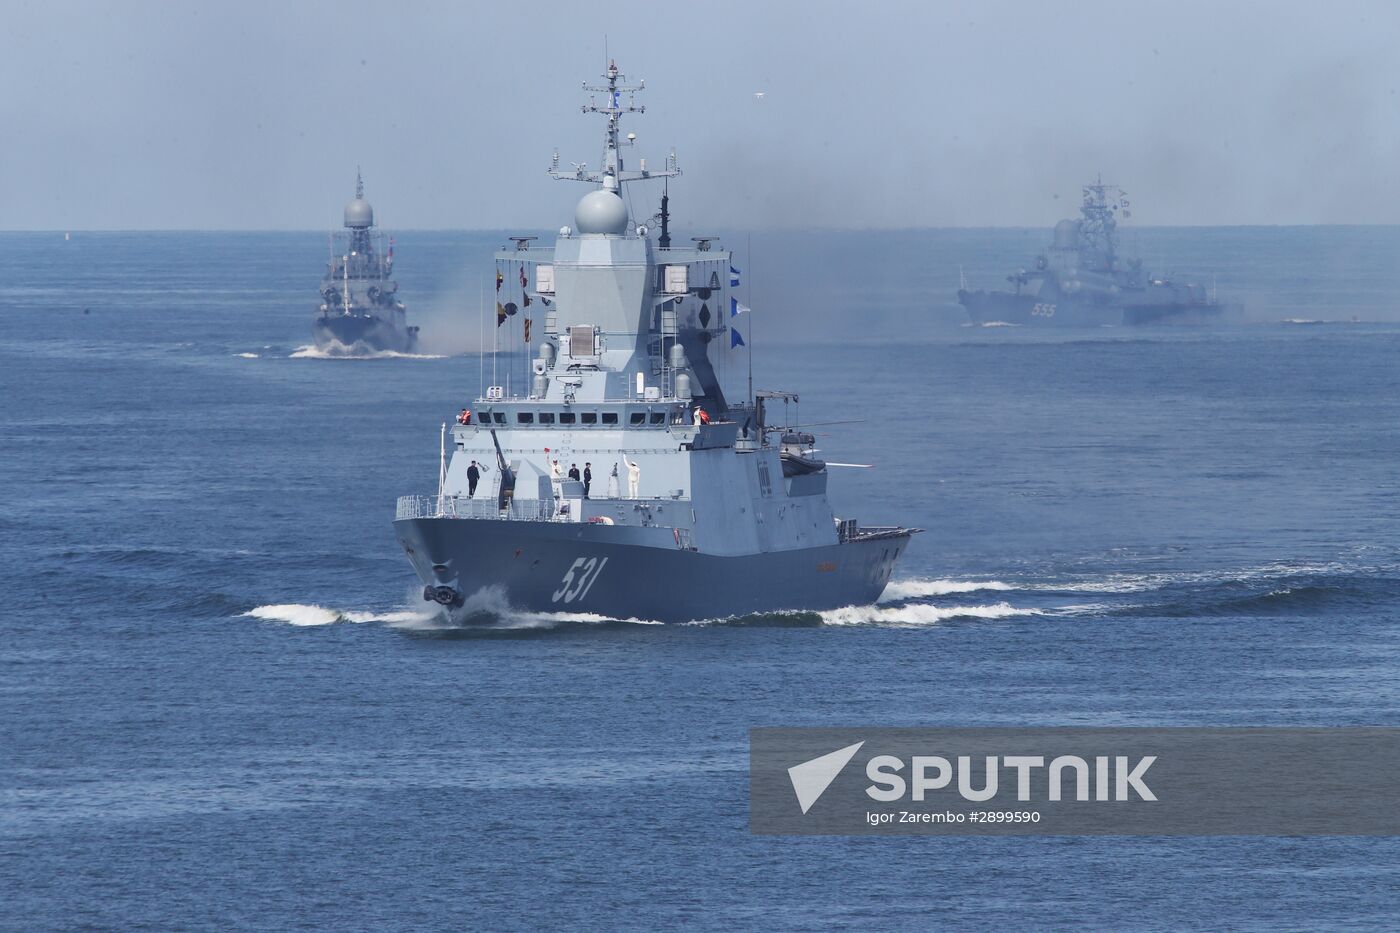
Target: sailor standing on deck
pixel 555 476
pixel 587 478
pixel 613 491
pixel 634 478
pixel 473 477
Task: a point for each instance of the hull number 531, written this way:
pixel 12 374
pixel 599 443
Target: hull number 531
pixel 583 573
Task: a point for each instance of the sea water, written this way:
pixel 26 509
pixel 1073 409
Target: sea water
pixel 223 703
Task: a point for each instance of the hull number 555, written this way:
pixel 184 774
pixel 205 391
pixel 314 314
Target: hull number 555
pixel 583 573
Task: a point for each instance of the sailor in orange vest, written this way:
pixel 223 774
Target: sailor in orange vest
pixel 701 416
pixel 465 417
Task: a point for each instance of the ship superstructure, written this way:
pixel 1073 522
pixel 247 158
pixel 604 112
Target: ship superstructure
pixel 360 310
pixel 1081 280
pixel 636 473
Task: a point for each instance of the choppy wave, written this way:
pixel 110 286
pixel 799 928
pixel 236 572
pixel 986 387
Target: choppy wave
pixel 919 614
pixel 342 352
pixel 1149 582
pixel 900 590
pixel 310 614
pixel 248 356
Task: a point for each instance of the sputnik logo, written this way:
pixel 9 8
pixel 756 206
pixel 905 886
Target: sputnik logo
pixel 811 778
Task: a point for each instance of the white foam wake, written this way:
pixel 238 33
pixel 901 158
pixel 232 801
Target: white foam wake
pixel 303 614
pixel 249 356
pixel 1115 583
pixel 341 352
pixel 900 590
pixel 488 607
pixel 485 609
pixel 917 615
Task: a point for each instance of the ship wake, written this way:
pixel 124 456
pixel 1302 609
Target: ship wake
pixel 339 351
pixel 903 590
pixel 917 614
pixel 313 614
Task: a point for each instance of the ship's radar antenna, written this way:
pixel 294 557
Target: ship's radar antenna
pixel 612 173
pixel 359 184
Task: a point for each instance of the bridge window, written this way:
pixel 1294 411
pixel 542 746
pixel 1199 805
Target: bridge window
pixel 500 417
pixel 609 417
pixel 658 417
pixel 567 417
pixel 546 417
pixel 639 417
pixel 525 417
pixel 590 417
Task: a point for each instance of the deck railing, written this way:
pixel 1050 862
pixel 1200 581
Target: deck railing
pixel 535 510
pixel 521 510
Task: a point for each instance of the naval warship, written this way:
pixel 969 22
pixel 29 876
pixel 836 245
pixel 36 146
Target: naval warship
pixel 1081 281
pixel 632 472
pixel 360 310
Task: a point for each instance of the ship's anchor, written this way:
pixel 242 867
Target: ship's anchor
pixel 445 595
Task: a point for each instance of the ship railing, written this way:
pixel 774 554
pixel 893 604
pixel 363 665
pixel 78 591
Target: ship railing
pixel 848 530
pixel 520 510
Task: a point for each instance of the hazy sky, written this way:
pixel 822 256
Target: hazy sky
pixel 254 115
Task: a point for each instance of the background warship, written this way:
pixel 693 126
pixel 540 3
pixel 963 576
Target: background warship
pixel 1080 281
pixel 688 503
pixel 360 310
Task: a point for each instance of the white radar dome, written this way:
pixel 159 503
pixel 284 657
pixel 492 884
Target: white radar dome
pixel 358 213
pixel 601 212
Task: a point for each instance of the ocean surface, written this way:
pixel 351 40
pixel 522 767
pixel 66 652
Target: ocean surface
pixel 223 706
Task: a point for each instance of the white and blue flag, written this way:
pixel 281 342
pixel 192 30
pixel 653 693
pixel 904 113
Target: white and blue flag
pixel 733 277
pixel 736 309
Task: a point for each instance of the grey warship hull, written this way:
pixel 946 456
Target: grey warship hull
pixel 617 573
pixel 355 332
pixel 991 307
pixel 1024 309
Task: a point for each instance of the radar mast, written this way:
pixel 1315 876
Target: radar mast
pixel 613 174
pixel 1099 228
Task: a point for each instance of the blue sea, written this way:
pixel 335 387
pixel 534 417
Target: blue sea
pixel 223 706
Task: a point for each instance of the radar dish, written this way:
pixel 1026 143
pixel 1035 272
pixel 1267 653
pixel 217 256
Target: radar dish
pixel 601 212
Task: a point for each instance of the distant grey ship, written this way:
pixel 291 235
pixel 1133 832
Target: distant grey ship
pixel 690 502
pixel 360 310
pixel 1080 280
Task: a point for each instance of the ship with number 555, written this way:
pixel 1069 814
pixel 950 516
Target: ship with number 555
pixel 1082 281
pixel 632 471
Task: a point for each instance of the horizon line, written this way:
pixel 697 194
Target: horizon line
pixel 778 230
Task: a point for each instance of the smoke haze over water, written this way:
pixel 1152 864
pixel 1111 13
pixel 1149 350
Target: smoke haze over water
pixel 172 116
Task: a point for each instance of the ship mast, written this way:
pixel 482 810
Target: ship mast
pixel 613 173
pixel 1099 228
